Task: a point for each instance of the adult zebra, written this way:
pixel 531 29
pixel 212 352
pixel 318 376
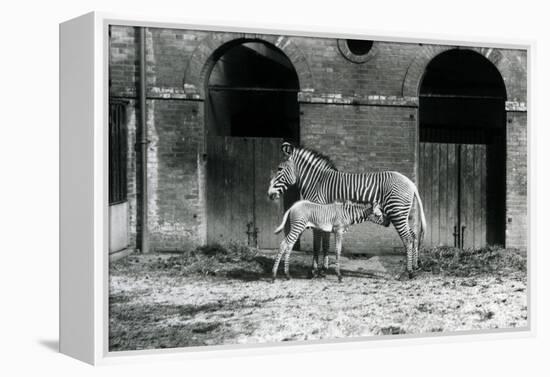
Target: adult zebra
pixel 319 181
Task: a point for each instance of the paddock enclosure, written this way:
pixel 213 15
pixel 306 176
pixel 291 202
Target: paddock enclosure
pixel 194 144
pixel 164 301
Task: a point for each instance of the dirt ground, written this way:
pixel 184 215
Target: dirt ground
pixel 156 303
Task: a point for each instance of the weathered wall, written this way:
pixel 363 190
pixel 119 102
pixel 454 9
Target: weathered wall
pixel 364 116
pixel 516 180
pixel 176 214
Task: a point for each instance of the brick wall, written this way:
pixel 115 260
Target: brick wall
pixel 132 170
pixel 516 180
pixel 123 61
pixel 362 115
pixel 176 208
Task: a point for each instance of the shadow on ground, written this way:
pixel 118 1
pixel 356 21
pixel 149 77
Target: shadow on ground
pixel 138 325
pixel 300 267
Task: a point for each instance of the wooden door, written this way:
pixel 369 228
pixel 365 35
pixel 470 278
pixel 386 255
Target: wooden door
pixel 473 203
pixel 452 185
pixel 238 174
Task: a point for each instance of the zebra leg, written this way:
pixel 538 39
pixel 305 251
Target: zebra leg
pixel 415 263
pixel 316 247
pixel 325 238
pixel 282 250
pixel 405 233
pixel 287 258
pixel 339 236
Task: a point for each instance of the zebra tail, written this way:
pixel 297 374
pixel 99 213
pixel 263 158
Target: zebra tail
pixel 422 217
pixel 278 230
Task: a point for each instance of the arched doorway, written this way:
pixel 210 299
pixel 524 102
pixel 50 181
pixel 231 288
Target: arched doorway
pixel 462 150
pixel 251 108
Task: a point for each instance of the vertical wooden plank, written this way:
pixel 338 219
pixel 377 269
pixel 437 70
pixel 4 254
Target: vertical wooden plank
pixel 476 197
pixel 435 195
pixel 223 191
pixel 209 220
pixel 463 197
pixel 422 180
pixel 268 213
pixel 212 194
pixel 442 205
pixel 428 191
pixel 443 195
pixel 466 195
pixel 452 187
pixel 228 189
pixel 483 194
pixel 451 193
pixel 471 165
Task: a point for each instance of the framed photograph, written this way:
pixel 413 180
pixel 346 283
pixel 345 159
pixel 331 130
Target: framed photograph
pixel 234 188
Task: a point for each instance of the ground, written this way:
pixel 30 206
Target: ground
pixel 165 300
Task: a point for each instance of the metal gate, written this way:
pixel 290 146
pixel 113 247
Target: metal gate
pixel 238 174
pixel 118 185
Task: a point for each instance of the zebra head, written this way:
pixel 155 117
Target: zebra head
pixel 357 212
pixel 283 179
pixel 285 176
pixel 303 167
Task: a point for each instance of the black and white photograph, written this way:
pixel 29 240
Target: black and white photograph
pixel 268 188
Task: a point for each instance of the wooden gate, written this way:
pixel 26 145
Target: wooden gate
pixel 453 188
pixel 238 174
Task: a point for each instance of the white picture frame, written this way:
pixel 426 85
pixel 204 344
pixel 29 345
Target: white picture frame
pixel 83 192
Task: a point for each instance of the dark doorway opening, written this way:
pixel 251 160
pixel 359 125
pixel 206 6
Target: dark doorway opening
pixel 462 150
pixel 251 109
pixel 252 92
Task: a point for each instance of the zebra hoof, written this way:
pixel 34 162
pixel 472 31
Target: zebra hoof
pixel 287 277
pixel 339 279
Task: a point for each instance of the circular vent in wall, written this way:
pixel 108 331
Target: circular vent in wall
pixel 357 50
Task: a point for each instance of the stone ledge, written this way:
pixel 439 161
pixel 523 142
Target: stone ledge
pixel 304 96
pixel 339 99
pixel 156 92
pixel 516 106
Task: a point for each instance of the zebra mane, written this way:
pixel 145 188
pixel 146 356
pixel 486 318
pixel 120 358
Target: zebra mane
pixel 318 156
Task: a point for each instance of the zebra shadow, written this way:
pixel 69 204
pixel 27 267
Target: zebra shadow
pixel 265 266
pixel 298 270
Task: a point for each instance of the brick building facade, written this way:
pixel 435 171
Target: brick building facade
pixel 362 111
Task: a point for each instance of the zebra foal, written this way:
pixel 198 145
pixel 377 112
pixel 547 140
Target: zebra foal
pixel 334 218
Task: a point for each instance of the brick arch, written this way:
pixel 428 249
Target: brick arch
pixel 415 72
pixel 213 47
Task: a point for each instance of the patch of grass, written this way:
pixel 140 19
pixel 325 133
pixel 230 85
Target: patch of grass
pixel 211 260
pixel 391 330
pixel 219 259
pixel 470 262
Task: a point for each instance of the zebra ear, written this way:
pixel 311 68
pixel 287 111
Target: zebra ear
pixel 287 148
